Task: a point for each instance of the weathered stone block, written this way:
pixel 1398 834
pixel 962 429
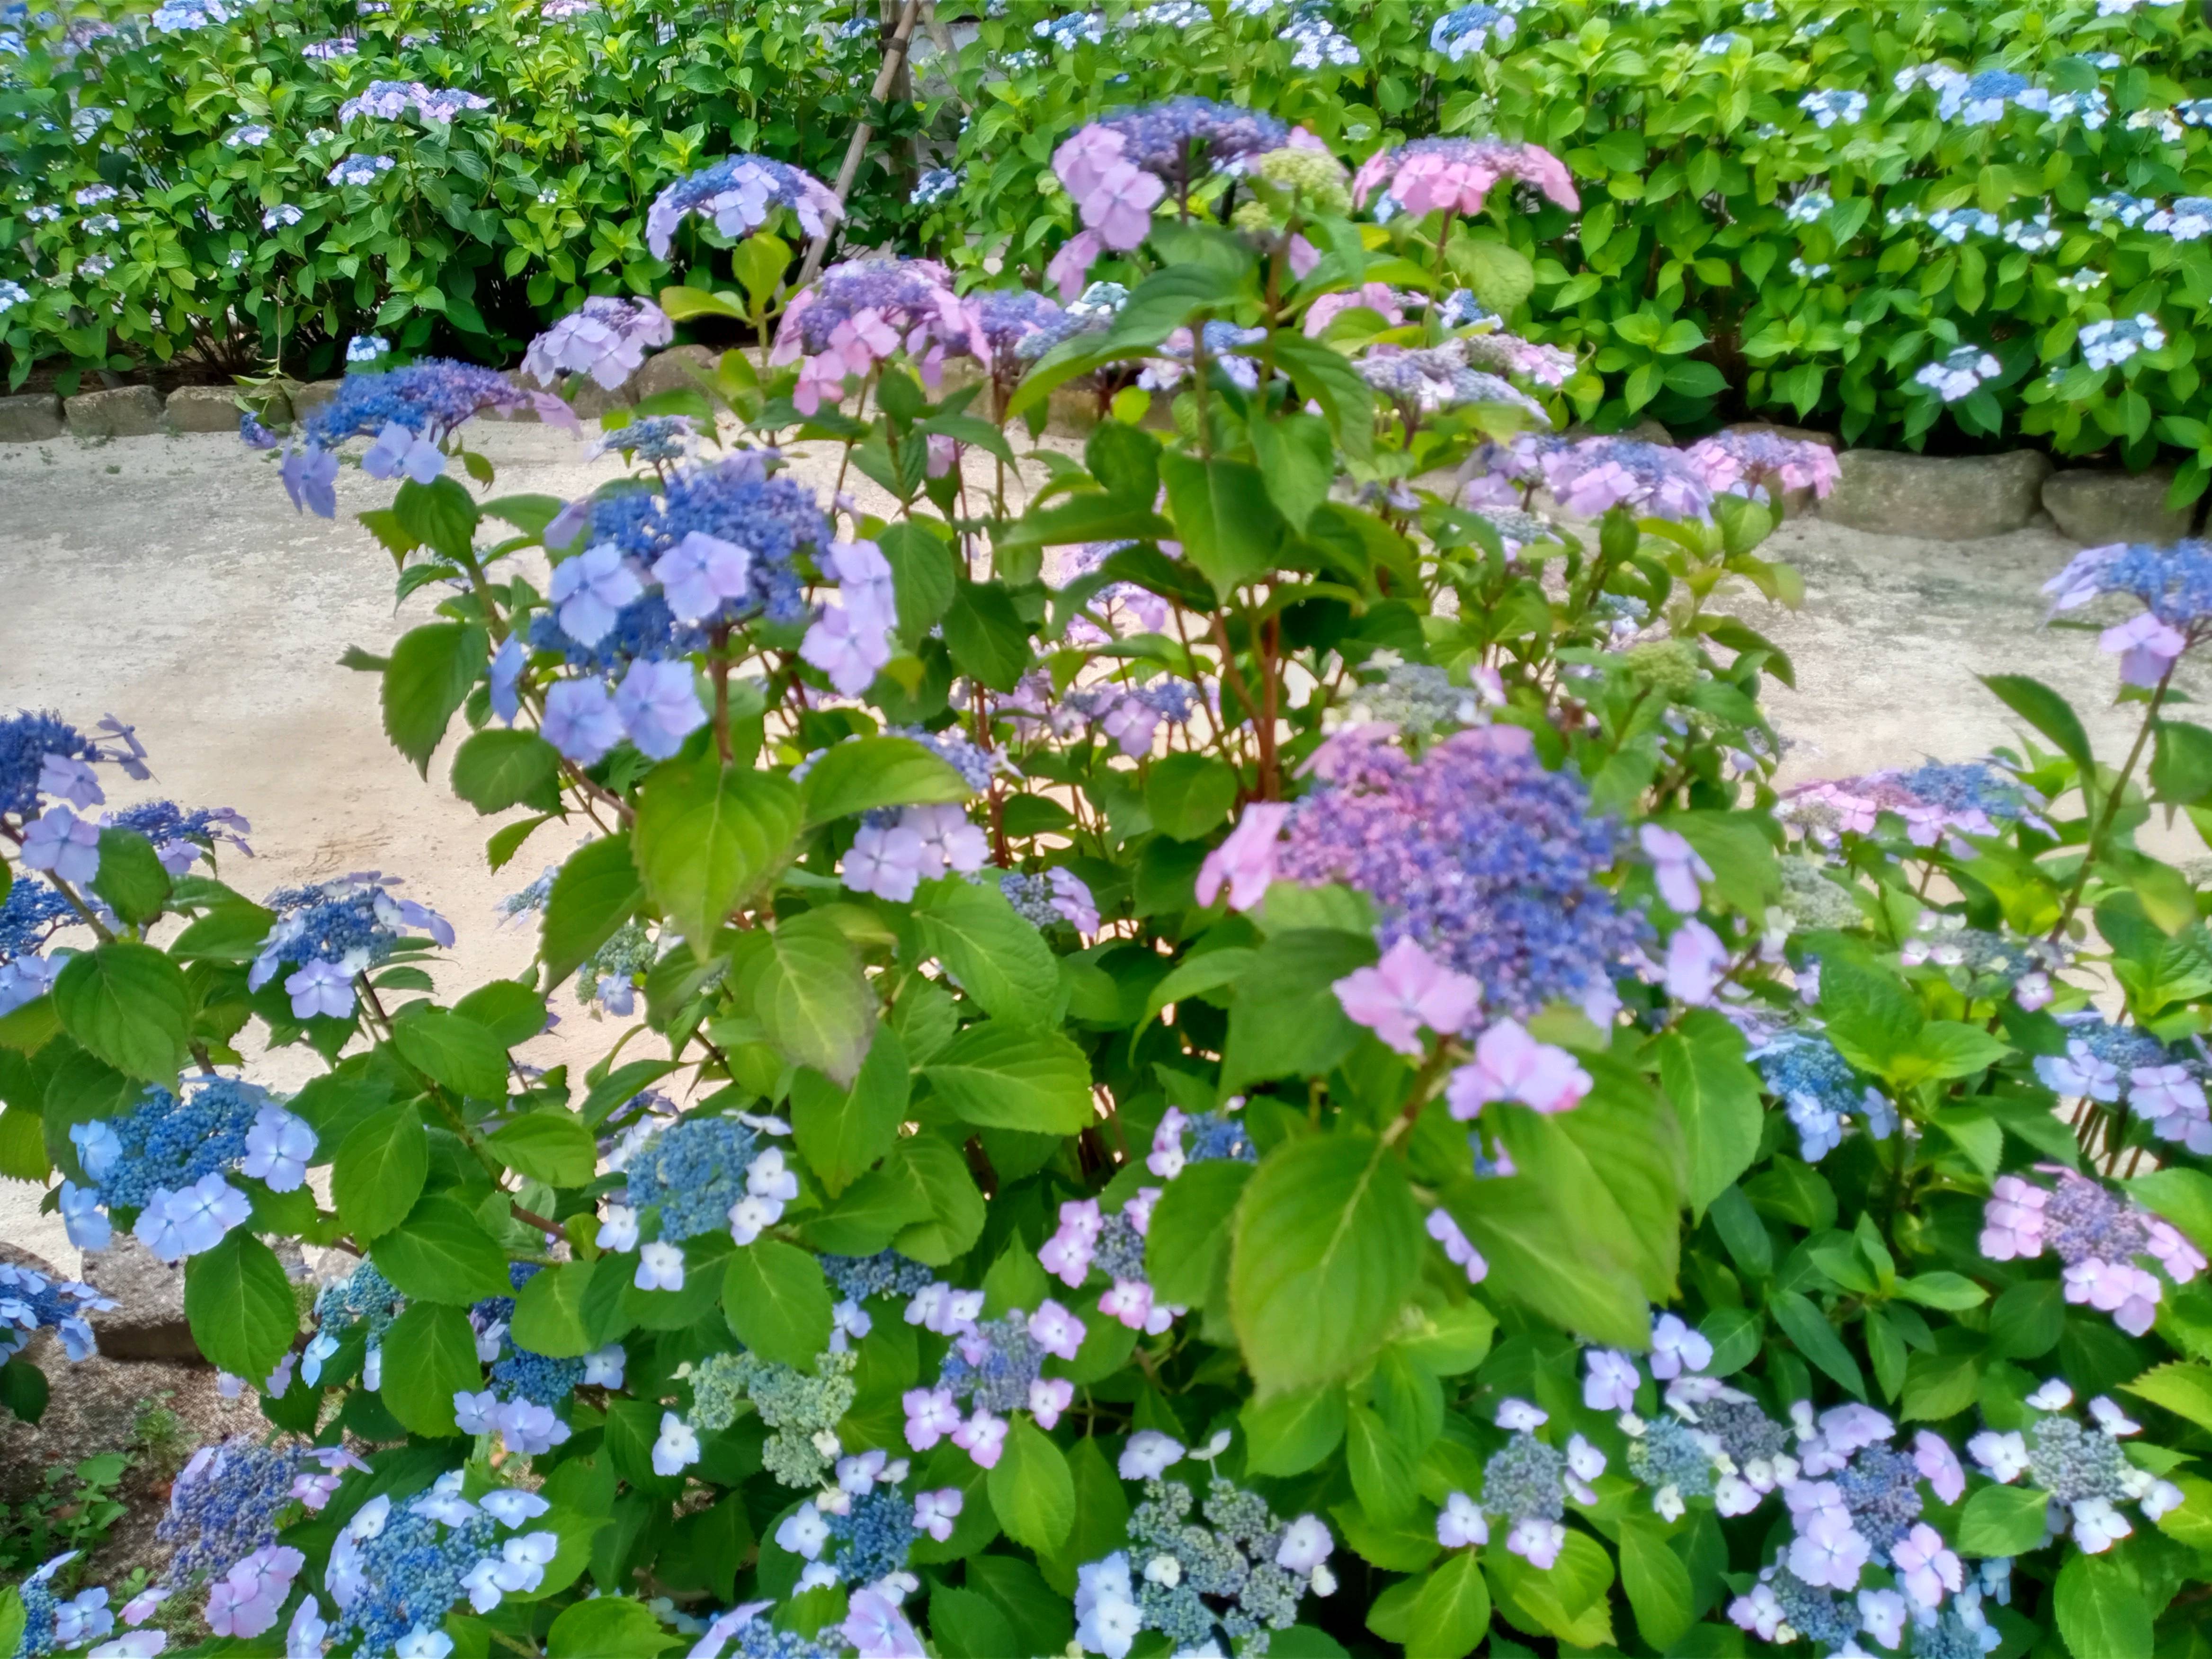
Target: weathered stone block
pixel 2094 507
pixel 308 398
pixel 30 417
pixel 679 368
pixel 150 1323
pixel 202 409
pixel 590 400
pixel 1937 498
pixel 122 411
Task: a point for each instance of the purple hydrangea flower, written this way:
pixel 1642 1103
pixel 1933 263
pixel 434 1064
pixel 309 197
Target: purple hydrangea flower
pixel 582 721
pixel 737 194
pixel 591 591
pixel 606 338
pixel 659 705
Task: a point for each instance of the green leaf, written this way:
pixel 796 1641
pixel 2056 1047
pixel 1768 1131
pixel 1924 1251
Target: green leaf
pixel 1809 1331
pixel 548 1311
pixel 1193 977
pixel 1102 1516
pixel 227 933
pixel 2103 1611
pixel 496 769
pixel 967 1626
pixel 777 1302
pixel 1190 1230
pixel 379 1170
pixel 708 836
pixel 1285 1020
pixel 1229 528
pixel 923 573
pixel 2003 1521
pixel 1005 1077
pixel 430 676
pixel 551 1146
pixel 1382 1466
pixel 986 636
pixel 609 1625
pixel 1188 795
pixel 810 998
pixel 238 1304
pixel 2048 712
pixel 1452 1613
pixel 12 1619
pixel 937 1176
pixel 2185 1389
pixel 509 1010
pixel 2183 1196
pixel 1032 1492
pixel 1291 1432
pixel 1568 1599
pixel 863 774
pixel 594 894
pixel 1298 463
pixel 1717 1094
pixel 441 514
pixel 1328 1247
pixel 441 1252
pixel 129 1005
pixel 130 877
pixel 999 959
pixel 1657 1583
pixel 430 1356
pixel 1948 1290
pixel 2181 765
pixel 842 1132
pixel 452 1050
pixel 1499 274
pixel 1947 1049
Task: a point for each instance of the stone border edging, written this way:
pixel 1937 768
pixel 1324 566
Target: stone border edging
pixel 1883 492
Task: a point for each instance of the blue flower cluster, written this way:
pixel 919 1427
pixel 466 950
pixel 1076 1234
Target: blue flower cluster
pixel 179 837
pixel 1493 864
pixel 30 916
pixel 1466 30
pixel 1971 786
pixel 874 1534
pixel 1818 1089
pixel 225 1503
pixel 396 1569
pixel 735 501
pixel 429 398
pixel 167 1141
pixel 1183 139
pixel 30 1301
pixel 694 1173
pixel 887 1273
pixel 334 930
pixel 2173 582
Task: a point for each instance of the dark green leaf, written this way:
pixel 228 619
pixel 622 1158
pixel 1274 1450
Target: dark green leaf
pixel 1032 1489
pixel 452 1050
pixel 441 1252
pixel 130 877
pixel 239 1306
pixel 380 1171
pixel 842 1132
pixel 707 836
pixel 863 774
pixel 431 1355
pixel 430 676
pixel 129 1005
pixel 1009 1077
pixel 777 1302
pixel 551 1146
pixel 496 769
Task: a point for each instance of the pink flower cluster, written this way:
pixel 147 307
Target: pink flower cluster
pixel 1747 461
pixel 863 312
pixel 246 1601
pixel 851 640
pixel 2097 1234
pixel 1113 194
pixel 1456 175
pixel 1379 297
pixel 1072 1249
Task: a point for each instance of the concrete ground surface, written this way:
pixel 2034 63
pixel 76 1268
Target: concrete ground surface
pixel 168 581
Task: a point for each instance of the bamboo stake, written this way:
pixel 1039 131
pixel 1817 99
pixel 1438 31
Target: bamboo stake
pixel 894 59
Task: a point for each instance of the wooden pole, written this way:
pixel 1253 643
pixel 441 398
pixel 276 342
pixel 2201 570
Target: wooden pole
pixel 893 60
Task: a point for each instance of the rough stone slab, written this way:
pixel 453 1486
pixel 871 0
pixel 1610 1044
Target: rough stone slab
pixel 2094 507
pixel 1643 431
pixel 679 368
pixel 124 411
pixel 590 400
pixel 1937 498
pixel 311 396
pixel 30 417
pixel 150 1323
pixel 202 409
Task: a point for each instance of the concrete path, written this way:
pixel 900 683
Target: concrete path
pixel 169 581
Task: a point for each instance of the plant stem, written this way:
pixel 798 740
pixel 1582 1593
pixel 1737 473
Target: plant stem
pixel 2111 808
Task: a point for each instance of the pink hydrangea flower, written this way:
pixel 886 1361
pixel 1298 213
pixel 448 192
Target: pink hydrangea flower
pixel 1407 989
pixel 1510 1064
pixel 1245 862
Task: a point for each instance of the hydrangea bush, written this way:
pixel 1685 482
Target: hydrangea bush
pixel 248 185
pixel 1228 1045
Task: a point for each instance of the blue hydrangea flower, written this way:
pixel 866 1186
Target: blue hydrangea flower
pixel 2113 341
pixel 1959 373
pixel 1835 106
